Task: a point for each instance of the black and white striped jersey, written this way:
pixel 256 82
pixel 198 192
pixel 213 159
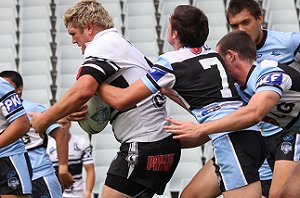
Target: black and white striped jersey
pixel 111 58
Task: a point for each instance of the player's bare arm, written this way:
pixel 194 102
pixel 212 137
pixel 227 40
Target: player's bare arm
pixel 259 105
pixel 74 98
pixel 89 180
pixel 14 131
pixel 62 139
pixel 123 98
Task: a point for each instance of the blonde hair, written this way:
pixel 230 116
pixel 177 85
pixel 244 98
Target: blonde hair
pixel 87 11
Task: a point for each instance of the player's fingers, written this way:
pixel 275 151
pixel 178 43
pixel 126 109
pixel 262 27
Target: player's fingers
pixel 172 121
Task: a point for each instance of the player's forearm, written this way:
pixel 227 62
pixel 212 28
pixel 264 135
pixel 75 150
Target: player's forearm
pixel 90 180
pixel 237 120
pixel 123 98
pixel 62 139
pixel 14 131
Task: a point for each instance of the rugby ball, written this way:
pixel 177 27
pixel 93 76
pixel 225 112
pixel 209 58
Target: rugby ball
pixel 97 116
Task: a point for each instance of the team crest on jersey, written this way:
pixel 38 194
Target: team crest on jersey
pixel 10 103
pixel 196 50
pixel 273 79
pixel 275 53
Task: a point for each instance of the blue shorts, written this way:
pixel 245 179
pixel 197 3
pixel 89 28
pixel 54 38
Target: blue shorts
pixel 15 175
pixel 237 158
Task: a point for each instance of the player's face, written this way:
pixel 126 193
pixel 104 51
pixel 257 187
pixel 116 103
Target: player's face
pixel 246 22
pixel 78 37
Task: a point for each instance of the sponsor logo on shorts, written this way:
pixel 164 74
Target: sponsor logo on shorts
pixel 288 138
pixel 12 180
pixel 160 162
pixel 286 147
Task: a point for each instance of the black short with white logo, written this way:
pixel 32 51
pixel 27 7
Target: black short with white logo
pixel 146 166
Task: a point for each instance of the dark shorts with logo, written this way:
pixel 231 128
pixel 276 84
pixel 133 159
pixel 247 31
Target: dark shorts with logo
pixel 144 166
pixel 284 145
pixel 15 175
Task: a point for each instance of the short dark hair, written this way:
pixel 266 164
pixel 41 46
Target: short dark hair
pixel 14 76
pixel 240 42
pixel 191 24
pixel 237 6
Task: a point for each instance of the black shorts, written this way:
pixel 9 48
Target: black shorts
pixel 15 175
pixel 282 146
pixel 265 186
pixel 40 188
pixel 149 165
pixel 238 156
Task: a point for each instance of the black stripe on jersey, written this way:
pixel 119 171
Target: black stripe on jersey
pixel 98 75
pixel 17 110
pixel 297 50
pixel 7 94
pixel 294 74
pixel 149 62
pixel 102 60
pixel 153 82
pixel 164 69
pixel 104 64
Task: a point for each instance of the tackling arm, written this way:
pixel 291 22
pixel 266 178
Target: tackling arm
pixel 259 105
pixel 123 98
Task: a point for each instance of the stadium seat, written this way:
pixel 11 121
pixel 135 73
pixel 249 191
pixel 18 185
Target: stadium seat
pixel 35 12
pixel 217 32
pixel 278 5
pixel 103 157
pixel 105 140
pixel 8 66
pixel 149 49
pixel 8 14
pixel 10 4
pixel 7 55
pixel 68 66
pixel 39 67
pixel 286 27
pixel 68 52
pixel 8 41
pixel 138 8
pixel 283 17
pixel 10 28
pixel 37 95
pixel 38 82
pixel 184 171
pixel 141 35
pixel 209 6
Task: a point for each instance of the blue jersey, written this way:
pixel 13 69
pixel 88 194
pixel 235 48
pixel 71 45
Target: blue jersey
pixel 285 81
pixel 284 48
pixel 36 146
pixel 11 108
pixel 200 80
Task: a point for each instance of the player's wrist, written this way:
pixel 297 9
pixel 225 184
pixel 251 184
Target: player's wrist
pixel 62 169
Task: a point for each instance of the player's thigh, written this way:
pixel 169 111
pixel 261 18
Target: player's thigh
pixel 252 190
pixel 282 170
pixel 291 187
pixel 108 192
pixel 15 196
pixel 203 184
